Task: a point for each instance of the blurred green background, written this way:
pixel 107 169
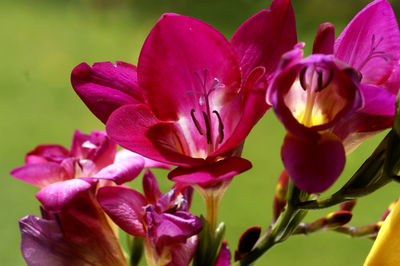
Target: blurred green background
pixel 41 42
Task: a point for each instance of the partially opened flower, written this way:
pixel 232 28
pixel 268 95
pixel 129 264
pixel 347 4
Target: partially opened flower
pixel 310 96
pixel 162 219
pixel 79 234
pixel 371 45
pixel 69 180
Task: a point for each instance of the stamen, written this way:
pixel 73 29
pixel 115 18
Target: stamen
pixel 208 128
pixel 196 123
pixel 220 128
pixel 303 78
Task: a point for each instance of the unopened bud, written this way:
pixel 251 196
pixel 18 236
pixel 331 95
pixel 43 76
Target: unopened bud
pixel 247 241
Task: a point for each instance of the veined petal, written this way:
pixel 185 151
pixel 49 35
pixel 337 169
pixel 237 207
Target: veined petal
pixel 313 164
pixel 124 171
pixel 371 44
pixel 135 128
pixel 209 174
pixel 265 37
pixel 41 174
pixel 183 61
pixel 46 153
pixel 104 87
pixel 57 196
pixel 125 206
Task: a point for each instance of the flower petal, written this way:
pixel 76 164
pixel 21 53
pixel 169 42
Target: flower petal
pixel 265 37
pixel 151 189
pixel 125 207
pixel 148 163
pixel 371 44
pixel 122 171
pixel 377 101
pixel 59 195
pixel 104 87
pixel 210 174
pixel 167 229
pixel 313 164
pixel 254 108
pixel 180 60
pixel 45 153
pixel 40 174
pixel 135 128
pixel 325 39
pixel 183 254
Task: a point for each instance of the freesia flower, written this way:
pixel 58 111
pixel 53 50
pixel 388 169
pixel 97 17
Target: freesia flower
pixel 68 180
pixel 79 234
pixel 371 45
pixel 195 96
pixel 162 219
pixel 310 96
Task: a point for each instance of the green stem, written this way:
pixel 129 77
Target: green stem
pixel 281 230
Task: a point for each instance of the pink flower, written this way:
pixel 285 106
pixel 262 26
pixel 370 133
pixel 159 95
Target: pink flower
pixel 80 234
pixel 74 229
pixel 162 219
pixel 311 96
pixel 371 45
pixel 199 94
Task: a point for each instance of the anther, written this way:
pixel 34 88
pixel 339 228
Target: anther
pixel 220 128
pixel 196 123
pixel 303 78
pixel 208 127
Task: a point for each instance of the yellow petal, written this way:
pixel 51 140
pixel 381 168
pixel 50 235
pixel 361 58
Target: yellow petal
pixel 386 249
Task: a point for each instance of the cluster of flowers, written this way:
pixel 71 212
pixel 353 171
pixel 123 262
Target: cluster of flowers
pixel 191 102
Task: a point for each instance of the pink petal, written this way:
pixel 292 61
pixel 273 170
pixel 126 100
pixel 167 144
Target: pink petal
pixel 254 108
pixel 179 55
pixel 45 153
pixel 375 27
pixel 135 128
pixel 210 174
pixel 41 174
pixel 122 171
pixel 183 254
pixel 148 163
pixel 325 39
pixel 377 101
pixel 265 37
pixel 96 147
pixel 59 195
pixel 125 207
pixel 313 164
pixel 151 189
pixel 105 86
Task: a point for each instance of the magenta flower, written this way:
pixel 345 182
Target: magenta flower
pixel 201 95
pixel 66 173
pixel 371 45
pixel 310 96
pixel 162 219
pixel 79 234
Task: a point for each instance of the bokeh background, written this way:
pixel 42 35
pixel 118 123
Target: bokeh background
pixel 41 42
